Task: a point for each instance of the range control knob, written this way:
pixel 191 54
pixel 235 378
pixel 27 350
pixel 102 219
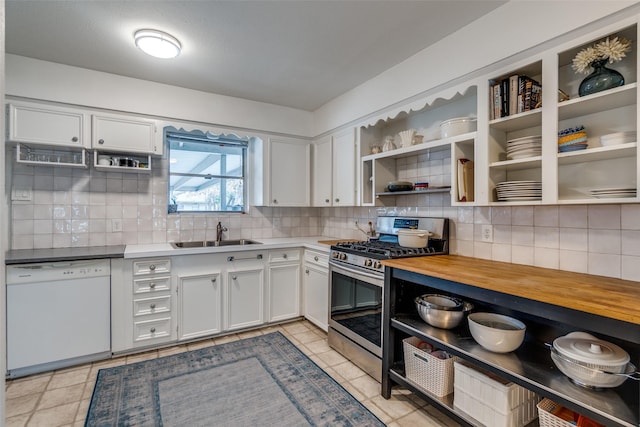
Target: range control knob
pixel 335 255
pixel 368 262
pixel 343 256
pixel 377 265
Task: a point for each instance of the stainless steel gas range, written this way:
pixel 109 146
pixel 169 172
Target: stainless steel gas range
pixel 356 281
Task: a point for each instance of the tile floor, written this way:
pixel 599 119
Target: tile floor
pixel 61 398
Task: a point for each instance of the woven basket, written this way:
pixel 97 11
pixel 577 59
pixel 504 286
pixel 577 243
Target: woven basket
pixel 546 418
pixel 432 374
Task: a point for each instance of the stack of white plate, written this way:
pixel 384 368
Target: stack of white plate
pixel 513 191
pixel 617 138
pixel 613 193
pixel 521 148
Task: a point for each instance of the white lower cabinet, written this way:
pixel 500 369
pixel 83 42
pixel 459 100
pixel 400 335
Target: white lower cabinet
pixel 186 297
pixel 245 297
pixel 284 285
pixel 316 288
pixel 199 303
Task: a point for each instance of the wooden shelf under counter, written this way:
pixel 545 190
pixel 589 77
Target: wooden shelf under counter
pixel 550 302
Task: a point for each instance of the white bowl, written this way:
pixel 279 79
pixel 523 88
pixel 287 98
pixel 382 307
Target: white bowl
pixel 496 332
pixel 457 126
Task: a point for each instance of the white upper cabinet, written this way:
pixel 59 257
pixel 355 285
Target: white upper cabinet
pixel 125 134
pixel 322 172
pixel 48 125
pixel 281 172
pixel 335 170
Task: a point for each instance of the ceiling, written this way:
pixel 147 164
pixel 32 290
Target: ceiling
pixel 295 53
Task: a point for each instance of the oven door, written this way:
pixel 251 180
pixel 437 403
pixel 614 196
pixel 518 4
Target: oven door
pixel 356 305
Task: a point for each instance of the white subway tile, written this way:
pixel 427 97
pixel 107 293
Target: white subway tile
pixel 546 258
pixel 482 215
pixel 522 254
pixel 522 235
pixel 501 215
pixel 574 239
pixel 573 216
pixel 630 268
pixel 605 264
pixel 501 252
pixel 604 241
pixel 630 217
pixel 604 216
pixel 547 237
pixel 464 231
pixel 522 215
pixel 631 242
pixel 576 261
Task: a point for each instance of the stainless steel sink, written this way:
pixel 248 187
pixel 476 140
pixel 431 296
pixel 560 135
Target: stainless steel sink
pixel 201 244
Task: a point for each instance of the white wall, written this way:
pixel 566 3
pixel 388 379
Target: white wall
pixel 32 78
pixel 512 28
pixel 4 244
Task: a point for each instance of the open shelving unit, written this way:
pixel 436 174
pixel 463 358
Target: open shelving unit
pixel 530 366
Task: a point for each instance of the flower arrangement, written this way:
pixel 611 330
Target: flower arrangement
pixel 611 50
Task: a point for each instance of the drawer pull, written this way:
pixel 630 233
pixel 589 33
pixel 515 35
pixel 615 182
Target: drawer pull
pixel 232 258
pixel 284 256
pixel 152 285
pixel 213 280
pixel 234 277
pixel 152 330
pixel 315 258
pixel 152 306
pixel 152 267
pixel 101 141
pixel 74 139
pixel 307 271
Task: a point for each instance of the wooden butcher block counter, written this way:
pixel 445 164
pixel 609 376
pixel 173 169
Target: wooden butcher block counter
pixel 602 296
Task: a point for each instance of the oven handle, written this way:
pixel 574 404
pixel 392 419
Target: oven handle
pixel 379 280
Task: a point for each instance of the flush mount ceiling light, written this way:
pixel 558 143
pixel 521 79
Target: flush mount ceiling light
pixel 158 44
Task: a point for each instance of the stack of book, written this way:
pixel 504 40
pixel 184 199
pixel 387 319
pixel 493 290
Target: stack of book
pixel 513 95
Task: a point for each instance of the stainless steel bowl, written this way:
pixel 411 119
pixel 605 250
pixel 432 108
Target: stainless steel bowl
pixel 442 311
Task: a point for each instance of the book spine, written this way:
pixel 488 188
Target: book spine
pixel 504 93
pixel 513 94
pixel 492 112
pixel 496 101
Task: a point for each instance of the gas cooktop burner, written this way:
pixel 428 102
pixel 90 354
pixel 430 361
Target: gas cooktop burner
pixel 381 250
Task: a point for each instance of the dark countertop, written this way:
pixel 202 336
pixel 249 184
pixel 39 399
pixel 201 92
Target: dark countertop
pixel 27 256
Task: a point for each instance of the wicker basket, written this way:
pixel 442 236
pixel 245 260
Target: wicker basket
pixel 546 418
pixel 430 373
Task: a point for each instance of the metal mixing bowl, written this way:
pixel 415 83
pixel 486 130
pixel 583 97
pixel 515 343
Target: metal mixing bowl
pixel 441 311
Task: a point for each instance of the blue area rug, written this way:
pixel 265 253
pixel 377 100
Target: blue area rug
pixel 260 381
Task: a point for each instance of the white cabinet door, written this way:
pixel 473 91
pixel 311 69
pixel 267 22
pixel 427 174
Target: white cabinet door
pixel 124 134
pixel 245 297
pixel 316 296
pixel 344 168
pixel 199 299
pixel 322 172
pixel 290 172
pixel 46 125
pixel 284 291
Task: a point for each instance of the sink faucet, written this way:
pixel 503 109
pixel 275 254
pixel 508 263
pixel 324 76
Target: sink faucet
pixel 219 230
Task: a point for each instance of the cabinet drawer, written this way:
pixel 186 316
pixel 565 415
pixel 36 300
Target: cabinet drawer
pixel 151 329
pixel 154 284
pixel 284 255
pixel 153 266
pixel 320 259
pixel 154 305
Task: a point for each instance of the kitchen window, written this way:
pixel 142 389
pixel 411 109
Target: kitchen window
pixel 207 172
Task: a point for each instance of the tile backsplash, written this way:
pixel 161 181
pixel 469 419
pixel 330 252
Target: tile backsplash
pixel 86 207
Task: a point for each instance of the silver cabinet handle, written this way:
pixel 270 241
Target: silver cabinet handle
pixel 152 285
pixel 275 201
pixel 152 306
pixel 337 200
pixel 213 280
pixel 233 258
pixel 234 277
pixel 101 141
pixel 152 330
pixel 284 256
pixel 326 200
pixel 307 271
pixel 152 267
pixel 74 139
pixel 315 258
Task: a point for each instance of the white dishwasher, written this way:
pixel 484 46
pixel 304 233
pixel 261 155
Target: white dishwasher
pixel 58 315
